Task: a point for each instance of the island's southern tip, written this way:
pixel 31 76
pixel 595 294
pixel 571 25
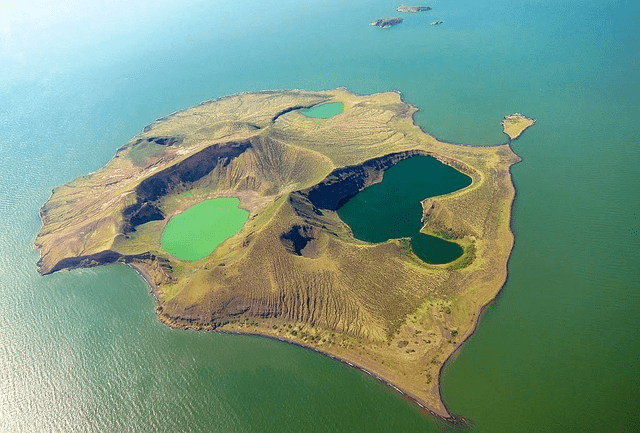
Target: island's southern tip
pixel 288 267
pixel 515 124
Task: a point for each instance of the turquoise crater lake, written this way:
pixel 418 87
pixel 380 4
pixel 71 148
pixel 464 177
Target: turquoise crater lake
pixel 392 208
pixel 324 111
pixel 196 232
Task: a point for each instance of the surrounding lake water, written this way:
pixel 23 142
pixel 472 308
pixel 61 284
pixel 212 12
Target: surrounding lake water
pixel 324 111
pixel 82 351
pixel 392 209
pixel 196 232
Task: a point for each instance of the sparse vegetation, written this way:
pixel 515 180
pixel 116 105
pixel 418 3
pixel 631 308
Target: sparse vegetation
pixel 318 282
pixel 515 124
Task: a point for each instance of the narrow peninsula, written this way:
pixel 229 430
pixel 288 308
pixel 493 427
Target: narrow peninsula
pixel 292 269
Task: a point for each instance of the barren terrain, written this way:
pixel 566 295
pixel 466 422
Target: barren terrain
pixel 295 272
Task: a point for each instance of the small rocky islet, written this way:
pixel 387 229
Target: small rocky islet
pixel 385 23
pixel 412 9
pixel 515 124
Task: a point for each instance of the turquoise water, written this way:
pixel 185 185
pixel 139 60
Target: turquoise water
pixel 392 208
pixel 82 351
pixel 196 232
pixel 324 111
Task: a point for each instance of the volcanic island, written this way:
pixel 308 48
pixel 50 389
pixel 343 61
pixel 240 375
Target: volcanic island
pixel 294 271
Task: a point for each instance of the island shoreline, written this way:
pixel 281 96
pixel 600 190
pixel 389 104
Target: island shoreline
pixel 153 290
pixel 494 300
pixel 451 418
pixel 141 266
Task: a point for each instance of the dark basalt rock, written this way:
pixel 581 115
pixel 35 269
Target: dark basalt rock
pixel 188 171
pixel 296 239
pixel 288 110
pixel 144 213
pixel 107 257
pixel 342 184
pixel 165 141
pixel 329 195
pixel 385 23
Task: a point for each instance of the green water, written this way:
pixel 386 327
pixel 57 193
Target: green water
pixel 196 232
pixel 82 351
pixel 324 111
pixel 392 209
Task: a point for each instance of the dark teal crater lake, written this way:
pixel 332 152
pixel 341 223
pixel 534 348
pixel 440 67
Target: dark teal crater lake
pixel 324 111
pixel 392 208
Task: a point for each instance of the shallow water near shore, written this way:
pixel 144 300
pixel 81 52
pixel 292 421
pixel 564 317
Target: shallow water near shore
pixel 392 208
pixel 83 350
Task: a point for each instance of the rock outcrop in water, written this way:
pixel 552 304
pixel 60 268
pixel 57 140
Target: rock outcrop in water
pixel 294 271
pixel 385 23
pixel 412 9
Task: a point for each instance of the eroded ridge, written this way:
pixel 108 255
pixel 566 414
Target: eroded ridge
pixel 294 271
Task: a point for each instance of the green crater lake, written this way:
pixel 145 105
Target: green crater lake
pixel 324 111
pixel 197 231
pixel 392 209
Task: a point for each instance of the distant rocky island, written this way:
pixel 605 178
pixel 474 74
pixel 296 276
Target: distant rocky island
pixel 385 23
pixel 294 271
pixel 412 9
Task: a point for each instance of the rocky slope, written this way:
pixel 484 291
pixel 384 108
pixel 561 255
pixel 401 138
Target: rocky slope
pixel 295 272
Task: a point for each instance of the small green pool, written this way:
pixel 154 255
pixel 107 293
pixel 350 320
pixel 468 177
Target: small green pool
pixel 197 231
pixel 324 111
